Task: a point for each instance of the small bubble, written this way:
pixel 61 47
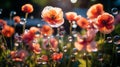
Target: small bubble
pixel 44 62
pixel 1 11
pixel 74 33
pixel 109 40
pixel 74 26
pixel 75 51
pixel 12 13
pixel 73 1
pixel 114 11
pixel 23 21
pixel 116 39
pixel 16 44
pixel 70 38
pixel 38 25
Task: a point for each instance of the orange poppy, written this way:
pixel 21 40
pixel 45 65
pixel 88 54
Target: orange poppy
pixel 33 30
pixel 53 16
pixel 53 43
pixel 105 23
pixel 46 30
pixel 35 48
pixel 18 55
pixel 71 16
pixel 83 23
pixel 16 19
pixel 95 10
pixel 2 22
pixel 28 8
pixel 8 31
pixel 84 43
pixel 57 56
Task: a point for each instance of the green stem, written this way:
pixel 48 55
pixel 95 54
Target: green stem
pixel 5 42
pixel 86 60
pixel 26 15
pixel 70 27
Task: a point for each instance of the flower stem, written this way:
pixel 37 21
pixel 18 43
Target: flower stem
pixel 70 27
pixel 26 15
pixel 5 42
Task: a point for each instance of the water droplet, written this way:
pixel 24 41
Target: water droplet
pixel 116 39
pixel 65 48
pixel 44 62
pixel 23 21
pixel 109 40
pixel 70 38
pixel 114 11
pixel 73 1
pixel 1 11
pixel 16 44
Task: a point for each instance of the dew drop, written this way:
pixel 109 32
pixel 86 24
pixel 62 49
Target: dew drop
pixel 23 21
pixel 116 39
pixel 73 1
pixel 109 40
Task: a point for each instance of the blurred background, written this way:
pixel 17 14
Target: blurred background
pixel 79 6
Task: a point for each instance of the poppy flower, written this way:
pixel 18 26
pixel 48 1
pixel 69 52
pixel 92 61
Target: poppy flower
pixel 28 8
pixel 46 30
pixel 105 23
pixel 53 16
pixel 19 55
pixel 71 16
pixel 8 31
pixel 16 19
pixel 2 22
pixel 35 48
pixel 84 43
pixel 57 56
pixel 83 23
pixel 53 43
pixel 33 30
pixel 28 37
pixel 44 57
pixel 95 10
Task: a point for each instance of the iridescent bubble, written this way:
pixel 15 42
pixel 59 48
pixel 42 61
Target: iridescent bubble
pixel 109 40
pixel 73 1
pixel 1 11
pixel 23 21
pixel 116 39
pixel 114 11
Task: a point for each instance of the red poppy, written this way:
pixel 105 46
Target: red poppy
pixel 84 43
pixel 19 55
pixel 35 48
pixel 8 31
pixel 53 43
pixel 28 8
pixel 53 16
pixel 33 30
pixel 83 23
pixel 16 19
pixel 105 23
pixel 46 30
pixel 95 10
pixel 71 16
pixel 57 56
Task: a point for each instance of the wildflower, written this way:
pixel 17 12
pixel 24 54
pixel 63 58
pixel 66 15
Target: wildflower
pixel 16 19
pixel 44 57
pixel 105 23
pixel 57 56
pixel 28 37
pixel 46 30
pixel 33 30
pixel 28 8
pixel 84 43
pixel 53 16
pixel 53 43
pixel 95 10
pixel 83 23
pixel 8 31
pixel 35 48
pixel 19 55
pixel 71 16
